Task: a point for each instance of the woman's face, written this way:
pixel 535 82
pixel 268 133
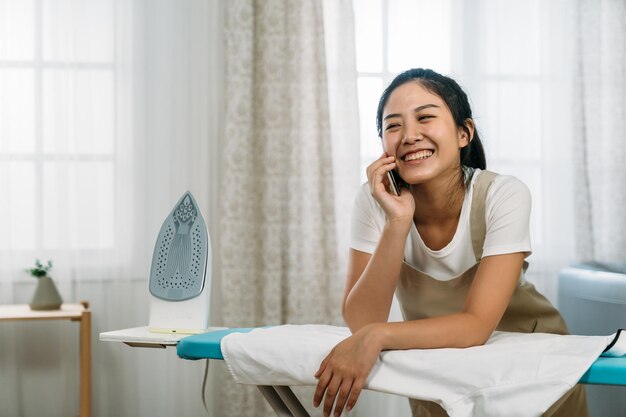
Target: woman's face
pixel 418 129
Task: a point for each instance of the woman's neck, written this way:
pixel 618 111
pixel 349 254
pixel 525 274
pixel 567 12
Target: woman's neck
pixel 439 201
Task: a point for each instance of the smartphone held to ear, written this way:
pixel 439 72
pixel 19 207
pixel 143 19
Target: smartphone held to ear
pixel 394 182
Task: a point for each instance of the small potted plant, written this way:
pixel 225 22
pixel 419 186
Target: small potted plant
pixel 46 295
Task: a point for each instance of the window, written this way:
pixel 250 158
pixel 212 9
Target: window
pixel 57 124
pixel 493 49
pixel 388 34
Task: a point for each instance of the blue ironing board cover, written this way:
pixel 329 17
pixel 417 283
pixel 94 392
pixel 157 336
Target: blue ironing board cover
pixel 604 371
pixel 205 345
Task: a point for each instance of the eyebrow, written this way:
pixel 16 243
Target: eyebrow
pixel 415 110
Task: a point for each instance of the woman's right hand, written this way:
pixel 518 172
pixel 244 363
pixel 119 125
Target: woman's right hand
pixel 397 208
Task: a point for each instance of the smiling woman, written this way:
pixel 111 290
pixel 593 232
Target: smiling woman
pixel 515 60
pixel 452 246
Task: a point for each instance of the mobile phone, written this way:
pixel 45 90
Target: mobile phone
pixel 394 181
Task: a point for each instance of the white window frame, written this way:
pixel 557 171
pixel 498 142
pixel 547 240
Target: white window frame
pixel 38 65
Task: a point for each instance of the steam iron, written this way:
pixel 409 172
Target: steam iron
pixel 180 286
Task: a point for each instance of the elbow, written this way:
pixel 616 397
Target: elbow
pixel 356 315
pixel 346 316
pixel 468 342
pixel 482 336
pixel 344 311
pixel 478 340
pixel 352 324
pixel 355 320
pixel 479 333
pixel 471 341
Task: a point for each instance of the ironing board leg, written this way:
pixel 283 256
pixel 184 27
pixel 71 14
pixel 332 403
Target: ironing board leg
pixel 283 401
pixel 293 403
pixel 275 401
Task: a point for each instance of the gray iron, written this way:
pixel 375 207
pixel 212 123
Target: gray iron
pixel 180 276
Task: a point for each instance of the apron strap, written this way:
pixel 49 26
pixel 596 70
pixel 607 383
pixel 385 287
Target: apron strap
pixel 478 222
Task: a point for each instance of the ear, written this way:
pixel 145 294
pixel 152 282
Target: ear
pixel 464 138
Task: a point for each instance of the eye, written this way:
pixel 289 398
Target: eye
pixel 425 117
pixel 392 126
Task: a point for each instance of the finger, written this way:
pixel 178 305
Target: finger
pixel 384 155
pixel 379 176
pixel 378 163
pixel 331 393
pixel 322 383
pixel 386 165
pixel 344 391
pixel 357 386
pixel 322 365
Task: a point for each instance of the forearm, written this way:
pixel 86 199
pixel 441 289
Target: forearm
pixel 369 300
pixel 487 299
pixel 451 331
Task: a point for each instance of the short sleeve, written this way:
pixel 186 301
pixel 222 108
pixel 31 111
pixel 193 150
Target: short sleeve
pixel 507 214
pixel 366 226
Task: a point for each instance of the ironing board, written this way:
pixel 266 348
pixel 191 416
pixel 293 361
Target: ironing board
pixel 604 371
pixel 208 346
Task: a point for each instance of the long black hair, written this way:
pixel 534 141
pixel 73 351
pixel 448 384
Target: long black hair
pixel 472 155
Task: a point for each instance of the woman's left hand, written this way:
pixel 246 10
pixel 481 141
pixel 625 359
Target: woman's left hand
pixel 345 369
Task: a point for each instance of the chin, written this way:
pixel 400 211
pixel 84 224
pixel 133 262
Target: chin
pixel 420 174
pixel 415 178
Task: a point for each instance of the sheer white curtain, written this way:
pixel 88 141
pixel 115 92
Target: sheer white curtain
pixel 109 111
pixel 60 138
pixel 344 116
pixel 600 143
pixel 516 61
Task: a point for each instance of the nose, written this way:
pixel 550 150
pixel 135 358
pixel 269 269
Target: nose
pixel 412 131
pixel 412 135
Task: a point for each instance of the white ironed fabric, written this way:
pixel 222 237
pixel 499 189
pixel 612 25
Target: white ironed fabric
pixel 513 374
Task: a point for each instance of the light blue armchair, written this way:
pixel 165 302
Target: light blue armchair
pixel 592 299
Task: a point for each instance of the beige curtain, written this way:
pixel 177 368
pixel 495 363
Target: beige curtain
pixel 278 247
pixel 599 139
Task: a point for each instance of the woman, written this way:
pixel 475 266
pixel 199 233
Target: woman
pixel 452 245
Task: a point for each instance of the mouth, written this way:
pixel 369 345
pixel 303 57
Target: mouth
pixel 418 156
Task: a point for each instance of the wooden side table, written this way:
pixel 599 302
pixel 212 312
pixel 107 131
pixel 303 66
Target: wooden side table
pixel 73 312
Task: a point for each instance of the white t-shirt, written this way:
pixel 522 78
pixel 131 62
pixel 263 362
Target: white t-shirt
pixel 507 215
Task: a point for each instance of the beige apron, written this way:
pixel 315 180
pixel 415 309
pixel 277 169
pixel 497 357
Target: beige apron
pixel 422 296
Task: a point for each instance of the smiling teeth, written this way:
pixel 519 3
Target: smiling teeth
pixel 418 155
